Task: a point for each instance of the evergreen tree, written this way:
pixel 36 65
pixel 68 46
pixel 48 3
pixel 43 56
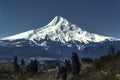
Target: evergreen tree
pixel 68 65
pixel 15 64
pixel 22 62
pixel 76 65
pixel 63 72
pixel 35 66
pixel 32 66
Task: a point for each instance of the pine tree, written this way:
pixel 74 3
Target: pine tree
pixel 15 64
pixel 76 65
pixel 32 66
pixel 63 72
pixel 68 65
pixel 35 66
pixel 22 62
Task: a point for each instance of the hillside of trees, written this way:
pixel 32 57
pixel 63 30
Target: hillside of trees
pixel 106 67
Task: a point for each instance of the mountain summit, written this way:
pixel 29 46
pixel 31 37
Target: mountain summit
pixel 60 29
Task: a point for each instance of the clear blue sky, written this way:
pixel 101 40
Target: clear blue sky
pixel 97 16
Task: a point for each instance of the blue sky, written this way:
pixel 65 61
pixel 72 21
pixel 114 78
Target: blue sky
pixel 96 16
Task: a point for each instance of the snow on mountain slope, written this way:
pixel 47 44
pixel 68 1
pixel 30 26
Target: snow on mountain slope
pixel 25 35
pixel 59 29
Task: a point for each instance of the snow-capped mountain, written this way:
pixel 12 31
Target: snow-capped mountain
pixel 59 29
pixel 59 36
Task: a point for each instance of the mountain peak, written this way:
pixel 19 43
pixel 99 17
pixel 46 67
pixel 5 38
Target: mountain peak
pixel 56 20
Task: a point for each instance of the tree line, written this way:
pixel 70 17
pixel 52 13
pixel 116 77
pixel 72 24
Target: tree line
pixel 72 66
pixel 104 68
